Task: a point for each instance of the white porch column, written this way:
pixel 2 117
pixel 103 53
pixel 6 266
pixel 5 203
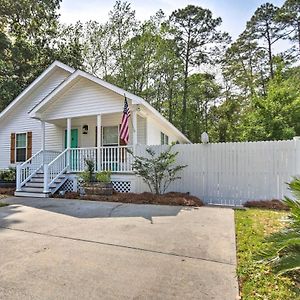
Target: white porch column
pixel 134 125
pixel 43 140
pixel 148 142
pixel 98 142
pixel 69 127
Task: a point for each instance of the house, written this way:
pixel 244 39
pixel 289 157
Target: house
pixel 66 116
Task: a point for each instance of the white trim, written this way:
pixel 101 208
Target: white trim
pixel 34 83
pixel 107 112
pixel 26 140
pixel 98 140
pixel 134 127
pixel 135 99
pixel 43 129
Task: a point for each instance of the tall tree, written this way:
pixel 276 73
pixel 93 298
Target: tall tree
pixel 203 94
pixel 67 46
pixel 290 15
pixel 26 29
pixel 196 33
pixel 97 48
pixel 123 26
pixel 266 28
pixel 244 66
pixel 276 116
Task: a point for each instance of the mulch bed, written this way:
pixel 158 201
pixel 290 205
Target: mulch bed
pixel 143 198
pixel 7 191
pixel 267 204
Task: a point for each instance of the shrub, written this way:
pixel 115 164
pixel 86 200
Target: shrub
pixel 103 176
pixel 159 170
pixel 284 253
pixel 8 175
pixel 88 174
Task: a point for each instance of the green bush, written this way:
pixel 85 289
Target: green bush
pixel 157 170
pixel 8 175
pixel 88 174
pixel 103 176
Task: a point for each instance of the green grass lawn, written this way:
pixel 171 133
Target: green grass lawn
pixel 256 279
pixel 3 204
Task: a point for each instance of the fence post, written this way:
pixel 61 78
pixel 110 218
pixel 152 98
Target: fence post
pixel 205 173
pixel 297 155
pixel 46 188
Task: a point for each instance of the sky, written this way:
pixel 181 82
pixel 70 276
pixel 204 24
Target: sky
pixel 234 13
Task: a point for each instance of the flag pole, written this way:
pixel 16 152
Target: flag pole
pixel 130 116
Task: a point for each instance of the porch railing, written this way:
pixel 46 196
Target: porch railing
pixel 54 164
pixel 113 158
pixel 78 157
pixel 30 167
pixel 55 169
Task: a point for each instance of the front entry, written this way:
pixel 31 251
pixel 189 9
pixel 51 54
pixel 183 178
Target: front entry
pixel 74 138
pixel 74 144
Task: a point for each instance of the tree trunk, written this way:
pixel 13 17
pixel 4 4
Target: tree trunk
pixel 184 98
pixel 270 50
pixel 299 36
pixel 170 103
pixel 185 87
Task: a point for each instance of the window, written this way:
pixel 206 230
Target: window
pixel 110 136
pixel 164 139
pixel 21 147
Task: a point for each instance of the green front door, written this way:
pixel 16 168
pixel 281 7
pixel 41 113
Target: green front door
pixel 74 144
pixel 74 138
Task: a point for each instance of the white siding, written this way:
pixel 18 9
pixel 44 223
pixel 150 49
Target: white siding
pixel 154 128
pixel 54 137
pixel 18 120
pixel 56 140
pixel 84 98
pixel 141 130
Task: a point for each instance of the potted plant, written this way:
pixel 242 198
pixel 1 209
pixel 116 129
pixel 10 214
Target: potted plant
pixel 96 183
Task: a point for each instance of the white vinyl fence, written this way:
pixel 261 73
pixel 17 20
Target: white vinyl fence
pixel 233 173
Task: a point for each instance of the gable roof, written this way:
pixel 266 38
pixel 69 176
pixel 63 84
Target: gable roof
pixel 55 64
pixel 134 98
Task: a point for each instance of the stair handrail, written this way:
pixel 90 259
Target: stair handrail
pixel 55 169
pixel 24 171
pixel 30 159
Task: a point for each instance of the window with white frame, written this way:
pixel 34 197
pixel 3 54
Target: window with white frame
pixel 164 139
pixel 21 147
pixel 110 136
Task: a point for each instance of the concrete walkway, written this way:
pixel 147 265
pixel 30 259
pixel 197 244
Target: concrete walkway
pixel 72 249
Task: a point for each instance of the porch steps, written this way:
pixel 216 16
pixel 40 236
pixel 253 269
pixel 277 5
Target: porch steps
pixel 33 195
pixel 35 186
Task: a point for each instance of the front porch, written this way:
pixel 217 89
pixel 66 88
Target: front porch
pixel 95 138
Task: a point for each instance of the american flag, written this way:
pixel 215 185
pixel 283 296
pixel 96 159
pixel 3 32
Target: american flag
pixel 124 131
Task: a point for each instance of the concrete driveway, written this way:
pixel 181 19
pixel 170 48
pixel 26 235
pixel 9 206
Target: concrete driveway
pixel 72 249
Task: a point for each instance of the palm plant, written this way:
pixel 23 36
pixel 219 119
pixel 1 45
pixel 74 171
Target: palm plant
pixel 283 252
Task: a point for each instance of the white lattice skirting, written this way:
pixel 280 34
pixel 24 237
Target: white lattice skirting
pixel 122 186
pixel 119 186
pixel 68 186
